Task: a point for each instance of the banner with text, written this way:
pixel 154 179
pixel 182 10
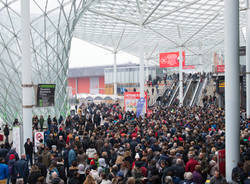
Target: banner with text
pixel 131 99
pixel 170 59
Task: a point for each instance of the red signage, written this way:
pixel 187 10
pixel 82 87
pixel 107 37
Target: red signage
pixel 170 59
pixel 220 68
pixel 130 100
pixel 188 67
pixel 222 161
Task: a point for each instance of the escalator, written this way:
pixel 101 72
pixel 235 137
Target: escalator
pixel 197 93
pixel 176 94
pixel 188 94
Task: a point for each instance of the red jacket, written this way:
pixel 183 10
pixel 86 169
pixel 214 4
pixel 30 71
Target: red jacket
pixel 190 165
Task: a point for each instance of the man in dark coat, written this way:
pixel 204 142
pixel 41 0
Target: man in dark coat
pixel 6 132
pixel 22 168
pixel 29 150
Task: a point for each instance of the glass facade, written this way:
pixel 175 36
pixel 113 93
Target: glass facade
pixel 127 75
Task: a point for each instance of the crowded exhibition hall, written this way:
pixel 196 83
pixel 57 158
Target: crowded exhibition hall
pixel 125 92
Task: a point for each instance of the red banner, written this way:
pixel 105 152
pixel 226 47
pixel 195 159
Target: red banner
pixel 188 67
pixel 220 68
pixel 130 100
pixel 222 161
pixel 170 59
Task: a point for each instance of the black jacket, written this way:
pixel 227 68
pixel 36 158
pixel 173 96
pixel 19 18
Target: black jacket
pixel 22 168
pixel 28 148
pixel 6 131
pixel 34 176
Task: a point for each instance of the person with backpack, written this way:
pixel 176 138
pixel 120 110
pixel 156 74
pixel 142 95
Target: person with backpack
pixel 12 169
pixel 22 168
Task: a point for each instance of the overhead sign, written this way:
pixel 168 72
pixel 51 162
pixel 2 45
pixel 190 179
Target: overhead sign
pixel 242 50
pixel 220 68
pixel 46 95
pixel 170 59
pixel 188 67
pixel 131 99
pixel 39 139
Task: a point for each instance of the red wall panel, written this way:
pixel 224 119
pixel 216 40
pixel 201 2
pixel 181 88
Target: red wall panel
pixel 101 85
pixel 72 83
pixel 83 85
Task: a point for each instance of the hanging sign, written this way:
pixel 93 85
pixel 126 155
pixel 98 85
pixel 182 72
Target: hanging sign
pixel 46 95
pixel 220 68
pixel 171 59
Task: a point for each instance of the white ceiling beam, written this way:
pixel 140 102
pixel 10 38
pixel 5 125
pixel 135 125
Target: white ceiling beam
pixel 162 35
pixel 119 41
pixel 152 12
pixel 199 30
pixel 173 11
pixel 114 17
pixel 138 6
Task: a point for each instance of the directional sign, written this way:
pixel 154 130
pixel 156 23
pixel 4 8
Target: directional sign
pixel 38 137
pixel 46 95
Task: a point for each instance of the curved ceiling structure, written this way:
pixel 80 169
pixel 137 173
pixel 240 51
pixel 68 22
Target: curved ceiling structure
pixel 196 25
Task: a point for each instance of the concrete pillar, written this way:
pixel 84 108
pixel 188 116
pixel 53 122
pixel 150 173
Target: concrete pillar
pixel 232 85
pixel 26 71
pixel 248 60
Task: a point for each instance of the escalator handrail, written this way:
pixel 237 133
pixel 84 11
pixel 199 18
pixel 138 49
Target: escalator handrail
pixel 172 98
pixel 189 84
pixel 203 88
pixel 196 89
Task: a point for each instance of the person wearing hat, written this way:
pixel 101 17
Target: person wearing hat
pixel 12 169
pixel 102 166
pixel 81 172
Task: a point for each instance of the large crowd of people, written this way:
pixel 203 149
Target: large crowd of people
pixel 102 144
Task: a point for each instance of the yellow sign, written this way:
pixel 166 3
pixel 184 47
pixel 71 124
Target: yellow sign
pixel 222 85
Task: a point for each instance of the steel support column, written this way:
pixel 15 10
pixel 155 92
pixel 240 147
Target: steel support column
pixel 115 74
pixel 232 85
pixel 26 70
pixel 180 77
pixel 248 60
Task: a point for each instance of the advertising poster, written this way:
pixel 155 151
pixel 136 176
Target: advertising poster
pixel 131 99
pixel 222 161
pixel 16 139
pixel 170 59
pixel 140 107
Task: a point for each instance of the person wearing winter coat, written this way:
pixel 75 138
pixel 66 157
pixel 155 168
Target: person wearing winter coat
pixel 12 169
pixel 6 132
pixel 71 156
pixel 217 178
pixel 4 171
pixel 22 168
pixel 55 179
pixel 29 151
